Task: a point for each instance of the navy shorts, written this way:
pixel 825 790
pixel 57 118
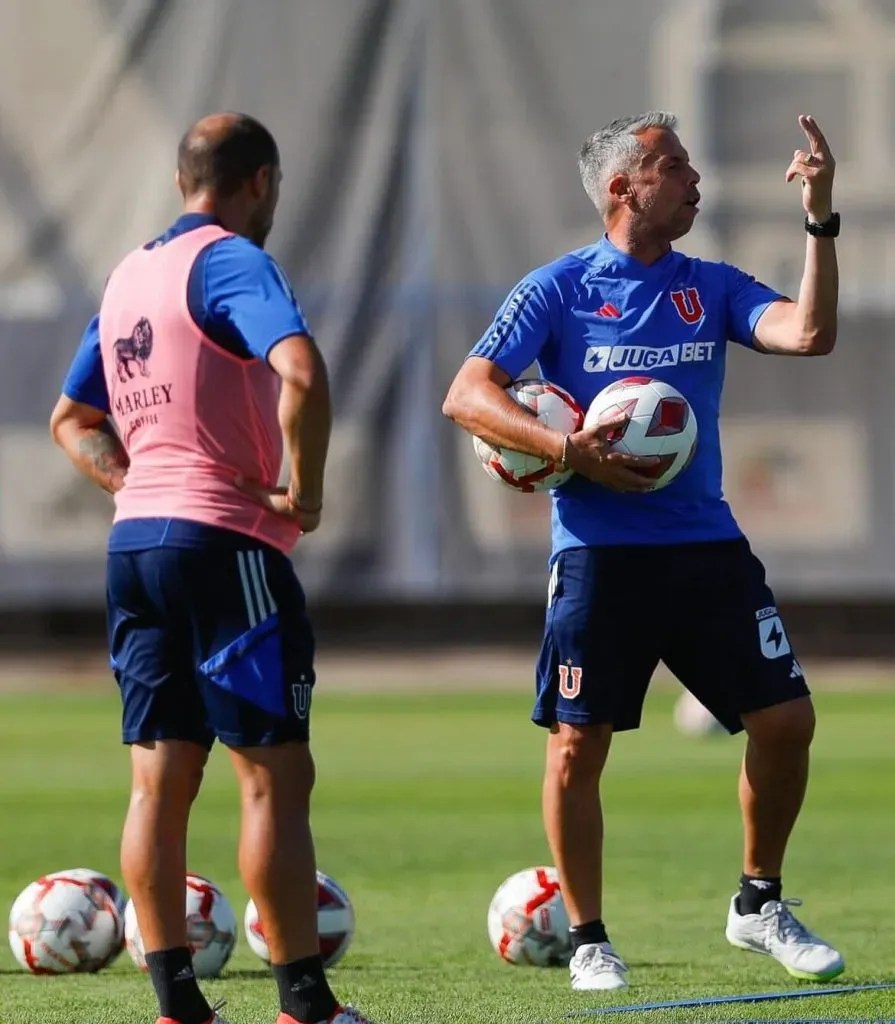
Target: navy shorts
pixel 705 610
pixel 210 642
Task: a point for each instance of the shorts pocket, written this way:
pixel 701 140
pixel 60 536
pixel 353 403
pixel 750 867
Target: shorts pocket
pixel 251 667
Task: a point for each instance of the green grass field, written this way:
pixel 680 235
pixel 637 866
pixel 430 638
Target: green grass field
pixel 425 803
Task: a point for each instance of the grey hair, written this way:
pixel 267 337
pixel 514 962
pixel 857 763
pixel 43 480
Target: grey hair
pixel 614 149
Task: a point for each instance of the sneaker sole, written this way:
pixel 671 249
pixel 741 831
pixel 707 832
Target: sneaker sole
pixel 828 975
pixel 600 988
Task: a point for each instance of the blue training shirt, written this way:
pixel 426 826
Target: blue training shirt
pixel 240 298
pixel 597 315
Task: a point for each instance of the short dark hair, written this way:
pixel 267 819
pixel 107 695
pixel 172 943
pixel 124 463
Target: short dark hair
pixel 221 161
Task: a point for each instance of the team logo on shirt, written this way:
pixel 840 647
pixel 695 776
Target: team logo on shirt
pixel 688 305
pixel 135 349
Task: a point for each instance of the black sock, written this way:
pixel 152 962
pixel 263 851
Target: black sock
pixel 588 934
pixel 755 892
pixel 304 991
pixel 179 995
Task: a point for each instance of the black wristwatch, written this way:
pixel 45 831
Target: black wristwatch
pixel 829 228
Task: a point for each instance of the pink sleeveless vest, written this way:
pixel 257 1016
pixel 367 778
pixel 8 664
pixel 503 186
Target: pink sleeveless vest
pixel 192 417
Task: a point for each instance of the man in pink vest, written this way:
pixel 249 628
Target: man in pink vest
pixel 178 402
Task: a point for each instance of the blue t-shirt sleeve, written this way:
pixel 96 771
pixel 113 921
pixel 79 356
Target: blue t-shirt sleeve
pixel 520 330
pixel 747 299
pixel 85 381
pixel 246 292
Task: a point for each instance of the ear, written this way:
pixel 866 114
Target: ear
pixel 260 183
pixel 620 188
pixel 177 181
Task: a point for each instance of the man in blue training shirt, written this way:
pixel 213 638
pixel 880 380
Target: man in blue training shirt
pixel 208 630
pixel 631 305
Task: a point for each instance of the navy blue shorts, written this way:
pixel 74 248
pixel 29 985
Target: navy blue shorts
pixel 210 642
pixel 705 610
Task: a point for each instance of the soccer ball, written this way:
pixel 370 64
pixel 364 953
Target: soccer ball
pixel 335 923
pixel 527 920
pixel 694 719
pixel 211 928
pixel 551 405
pixel 658 421
pixel 103 881
pixel 68 922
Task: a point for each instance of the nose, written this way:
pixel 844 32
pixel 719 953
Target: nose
pixel 695 176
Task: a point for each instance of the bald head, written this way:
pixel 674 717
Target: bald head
pixel 221 152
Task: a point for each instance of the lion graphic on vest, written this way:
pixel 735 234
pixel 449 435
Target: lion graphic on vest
pixel 135 349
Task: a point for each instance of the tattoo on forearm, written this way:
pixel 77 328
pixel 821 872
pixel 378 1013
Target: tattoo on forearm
pixel 102 456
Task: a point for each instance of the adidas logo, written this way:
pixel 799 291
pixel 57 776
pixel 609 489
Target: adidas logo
pixel 760 883
pixel 306 981
pixel 185 974
pixel 607 309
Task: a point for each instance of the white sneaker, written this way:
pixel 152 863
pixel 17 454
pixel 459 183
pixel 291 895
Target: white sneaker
pixel 597 967
pixel 777 932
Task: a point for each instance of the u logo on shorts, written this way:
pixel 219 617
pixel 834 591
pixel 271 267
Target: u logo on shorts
pixel 569 681
pixel 301 699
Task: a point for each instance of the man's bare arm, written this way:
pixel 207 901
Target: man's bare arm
pixel 87 437
pixel 478 402
pixel 305 416
pixel 808 327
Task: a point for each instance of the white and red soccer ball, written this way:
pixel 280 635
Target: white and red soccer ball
pixel 658 421
pixel 211 928
pixel 67 922
pixel 552 406
pixel 335 923
pixel 527 920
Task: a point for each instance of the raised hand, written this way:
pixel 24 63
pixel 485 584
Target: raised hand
pixel 816 167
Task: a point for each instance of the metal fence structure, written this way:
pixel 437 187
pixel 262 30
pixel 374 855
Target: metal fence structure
pixel 429 153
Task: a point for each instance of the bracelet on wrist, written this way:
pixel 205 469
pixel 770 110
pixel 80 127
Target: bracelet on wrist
pixel 564 457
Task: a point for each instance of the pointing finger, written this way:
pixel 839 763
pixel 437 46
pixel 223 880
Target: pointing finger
pixel 815 136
